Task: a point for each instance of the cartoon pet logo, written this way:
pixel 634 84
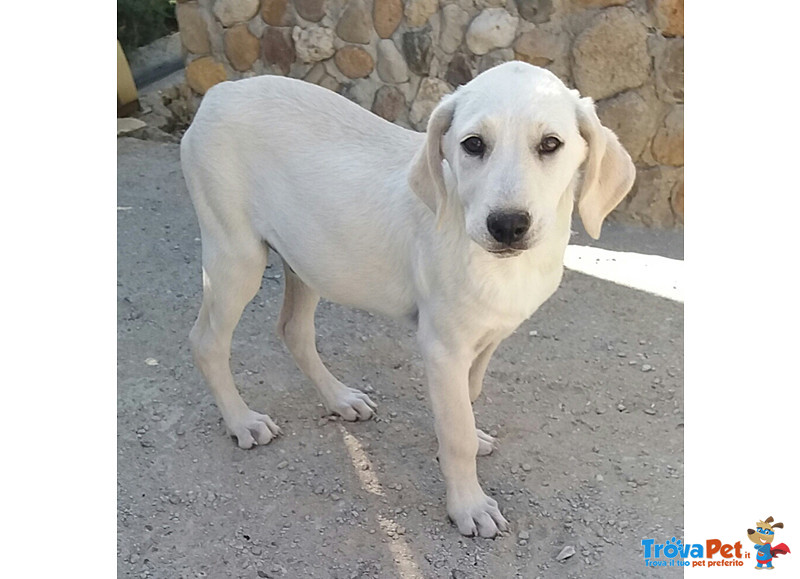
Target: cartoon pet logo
pixel 763 537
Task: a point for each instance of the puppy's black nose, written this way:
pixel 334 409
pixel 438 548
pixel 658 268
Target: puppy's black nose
pixel 508 227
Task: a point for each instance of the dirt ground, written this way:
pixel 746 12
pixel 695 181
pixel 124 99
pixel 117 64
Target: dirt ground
pixel 586 400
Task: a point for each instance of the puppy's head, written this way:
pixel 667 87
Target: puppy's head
pixel 507 147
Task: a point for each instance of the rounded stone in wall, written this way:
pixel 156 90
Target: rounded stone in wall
pixel 431 91
pixel 655 194
pixel 319 76
pixel 203 73
pixel 354 61
pixel 257 26
pixel 314 43
pixel 536 11
pixel 278 49
pixel 311 10
pixel 539 47
pixel 459 71
pixel 418 50
pixel 276 13
pixel 386 15
pixel 668 142
pixel 419 11
pixel 492 28
pixel 355 23
pixel 241 47
pixel 610 55
pixel 389 103
pixel 391 66
pixel 669 16
pixel 454 24
pixel 668 64
pixel 633 116
pixel 193 27
pixel 230 12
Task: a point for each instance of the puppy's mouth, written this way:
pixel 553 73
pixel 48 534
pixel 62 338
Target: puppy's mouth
pixel 505 252
pixel 513 249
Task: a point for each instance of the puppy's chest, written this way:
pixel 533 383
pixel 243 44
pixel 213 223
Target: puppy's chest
pixel 508 298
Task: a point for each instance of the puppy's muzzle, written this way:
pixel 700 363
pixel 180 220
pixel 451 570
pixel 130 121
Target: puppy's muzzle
pixel 509 229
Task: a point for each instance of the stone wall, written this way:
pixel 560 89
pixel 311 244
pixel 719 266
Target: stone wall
pixel 397 58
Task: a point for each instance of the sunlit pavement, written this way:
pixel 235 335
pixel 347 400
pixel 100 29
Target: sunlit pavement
pixel 646 260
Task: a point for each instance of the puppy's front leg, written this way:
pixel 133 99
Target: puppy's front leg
pixel 447 366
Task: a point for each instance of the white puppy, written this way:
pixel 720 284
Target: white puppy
pixel 461 232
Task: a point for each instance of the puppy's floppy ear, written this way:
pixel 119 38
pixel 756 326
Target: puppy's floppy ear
pixel 609 172
pixel 426 177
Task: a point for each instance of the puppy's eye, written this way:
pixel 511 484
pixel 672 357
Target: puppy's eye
pixel 549 144
pixel 474 146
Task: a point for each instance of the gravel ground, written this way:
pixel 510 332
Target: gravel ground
pixel 586 400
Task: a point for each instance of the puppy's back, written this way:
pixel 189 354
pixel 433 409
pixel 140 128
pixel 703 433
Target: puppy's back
pixel 273 106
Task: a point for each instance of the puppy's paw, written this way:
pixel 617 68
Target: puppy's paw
pixel 486 443
pixel 251 428
pixel 476 514
pixel 351 404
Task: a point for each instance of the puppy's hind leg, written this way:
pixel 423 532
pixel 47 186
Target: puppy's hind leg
pixel 296 327
pixel 230 280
